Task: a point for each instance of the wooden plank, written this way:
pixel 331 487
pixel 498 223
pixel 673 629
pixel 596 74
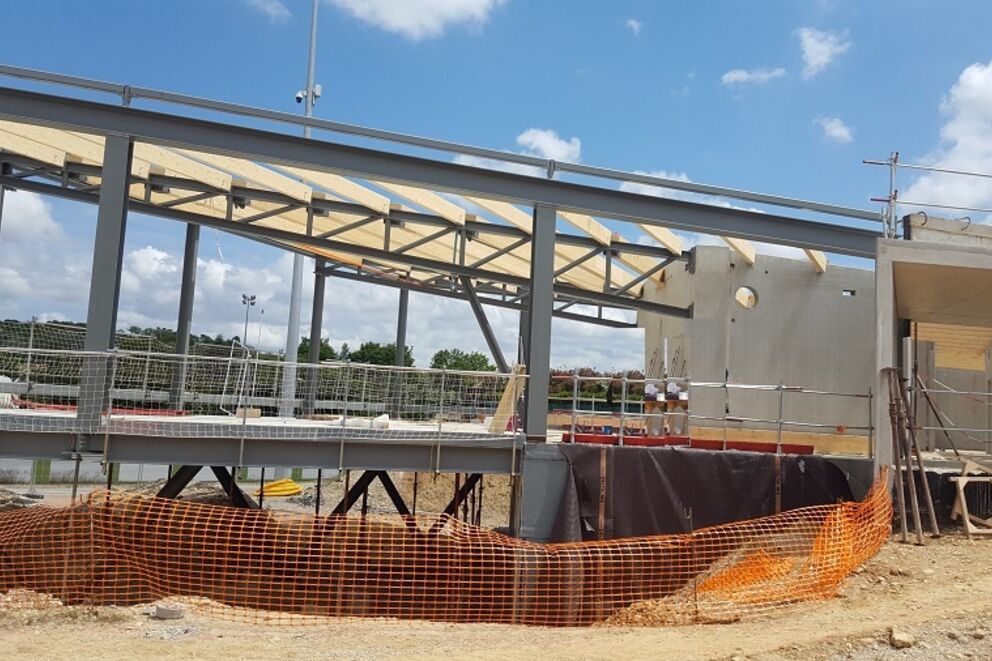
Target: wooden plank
pixel 515 216
pixel 16 144
pixel 255 173
pixel 427 200
pixel 171 162
pixel 818 259
pixel 588 225
pixel 665 237
pixel 508 212
pixel 742 247
pixel 605 237
pixel 76 148
pixel 343 187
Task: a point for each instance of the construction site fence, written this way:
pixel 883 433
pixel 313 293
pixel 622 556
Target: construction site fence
pixel 160 394
pixel 654 418
pixel 263 566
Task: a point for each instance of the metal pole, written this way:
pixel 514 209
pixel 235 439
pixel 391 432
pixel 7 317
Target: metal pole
pixel 27 367
pixel 623 405
pixel 186 292
pixel 296 293
pixel 401 316
pixel 575 402
pixel 781 413
pixel 316 323
pixel 892 210
pixel 399 357
pixel 320 480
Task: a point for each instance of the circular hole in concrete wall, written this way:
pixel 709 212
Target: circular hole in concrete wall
pixel 746 297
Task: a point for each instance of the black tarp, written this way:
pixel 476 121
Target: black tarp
pixel 651 491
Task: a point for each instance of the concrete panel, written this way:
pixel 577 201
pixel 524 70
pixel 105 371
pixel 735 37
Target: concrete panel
pixel 808 329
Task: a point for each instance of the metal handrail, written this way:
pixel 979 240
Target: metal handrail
pixel 779 421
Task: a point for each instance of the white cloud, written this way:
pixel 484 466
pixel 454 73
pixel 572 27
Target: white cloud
pixel 965 144
pixel 27 216
pixel 547 144
pixel 748 76
pixel 835 129
pixel 820 48
pixel 634 25
pixel 419 19
pixel 542 143
pixel 274 10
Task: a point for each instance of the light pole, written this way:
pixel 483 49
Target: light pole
pixel 306 96
pixel 248 301
pixel 258 343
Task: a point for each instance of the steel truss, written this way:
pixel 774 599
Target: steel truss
pixel 498 288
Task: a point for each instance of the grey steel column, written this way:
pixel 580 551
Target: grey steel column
pixel 487 330
pixel 316 323
pixel 186 292
pixel 400 359
pixel 105 280
pixel 540 305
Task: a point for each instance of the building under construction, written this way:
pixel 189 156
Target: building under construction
pixel 797 383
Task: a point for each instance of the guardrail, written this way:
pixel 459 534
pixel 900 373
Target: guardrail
pixel 671 413
pixel 172 394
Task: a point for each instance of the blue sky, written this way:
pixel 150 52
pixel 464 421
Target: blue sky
pixel 780 97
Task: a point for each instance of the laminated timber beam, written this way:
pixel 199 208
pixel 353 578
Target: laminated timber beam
pixel 282 149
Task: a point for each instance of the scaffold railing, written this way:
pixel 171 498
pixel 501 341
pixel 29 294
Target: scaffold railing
pixel 933 399
pixel 662 407
pixel 161 394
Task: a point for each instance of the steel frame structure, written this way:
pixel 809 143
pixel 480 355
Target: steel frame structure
pixel 124 126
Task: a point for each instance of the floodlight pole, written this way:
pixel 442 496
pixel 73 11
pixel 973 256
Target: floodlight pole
pixel 296 293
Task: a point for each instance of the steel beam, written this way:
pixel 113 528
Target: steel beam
pixel 500 455
pixel 540 305
pixel 483 321
pixel 282 149
pixel 316 323
pixel 105 278
pixel 457 294
pixel 186 293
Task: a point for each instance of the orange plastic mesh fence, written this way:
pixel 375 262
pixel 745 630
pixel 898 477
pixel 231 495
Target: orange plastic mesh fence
pixel 283 568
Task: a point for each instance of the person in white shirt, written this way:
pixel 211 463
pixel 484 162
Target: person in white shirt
pixel 651 404
pixel 672 407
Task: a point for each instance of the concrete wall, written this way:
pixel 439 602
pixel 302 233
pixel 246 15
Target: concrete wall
pixel 804 331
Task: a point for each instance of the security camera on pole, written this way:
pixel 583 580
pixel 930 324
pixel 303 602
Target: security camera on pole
pixel 309 96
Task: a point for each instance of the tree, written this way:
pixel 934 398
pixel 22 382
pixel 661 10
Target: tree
pixel 327 352
pixel 456 359
pixel 375 353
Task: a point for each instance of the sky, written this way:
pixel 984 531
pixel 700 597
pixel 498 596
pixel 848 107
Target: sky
pixel 783 97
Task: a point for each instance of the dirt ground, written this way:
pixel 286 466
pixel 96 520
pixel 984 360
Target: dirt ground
pixel 940 595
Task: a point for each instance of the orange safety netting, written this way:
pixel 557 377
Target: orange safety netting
pixel 276 567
